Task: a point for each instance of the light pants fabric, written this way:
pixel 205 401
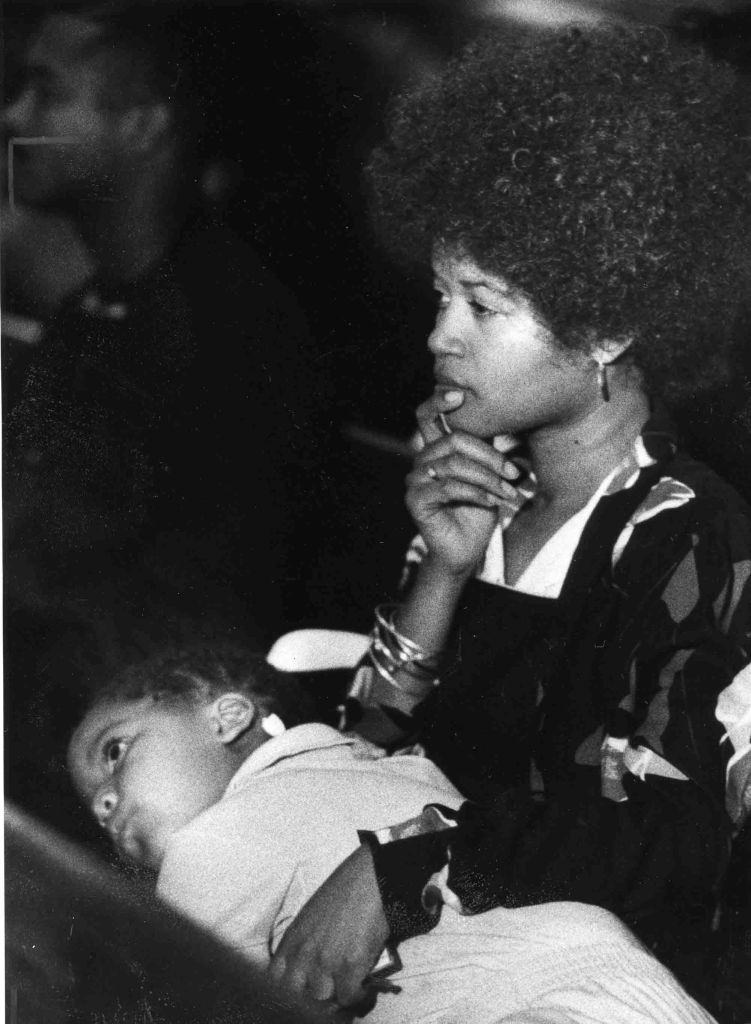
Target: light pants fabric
pixel 557 963
pixel 244 867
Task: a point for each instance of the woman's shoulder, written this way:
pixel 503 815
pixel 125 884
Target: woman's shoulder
pixel 713 498
pixel 682 563
pixel 689 508
pixel 683 480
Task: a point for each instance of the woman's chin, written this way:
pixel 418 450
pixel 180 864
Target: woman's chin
pixel 479 426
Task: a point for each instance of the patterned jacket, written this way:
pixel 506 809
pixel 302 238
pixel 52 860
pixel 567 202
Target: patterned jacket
pixel 640 729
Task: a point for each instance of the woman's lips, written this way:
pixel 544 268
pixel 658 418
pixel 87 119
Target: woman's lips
pixel 446 384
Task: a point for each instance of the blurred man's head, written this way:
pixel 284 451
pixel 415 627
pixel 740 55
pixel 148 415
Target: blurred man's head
pixel 99 104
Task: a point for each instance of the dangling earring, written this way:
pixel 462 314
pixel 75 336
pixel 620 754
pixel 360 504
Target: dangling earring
pixel 602 380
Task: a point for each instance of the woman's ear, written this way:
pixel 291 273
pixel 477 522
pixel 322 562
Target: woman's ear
pixel 232 715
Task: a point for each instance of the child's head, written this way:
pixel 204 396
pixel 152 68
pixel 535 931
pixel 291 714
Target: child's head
pixel 160 742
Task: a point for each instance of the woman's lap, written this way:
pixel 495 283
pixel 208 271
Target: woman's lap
pixel 557 963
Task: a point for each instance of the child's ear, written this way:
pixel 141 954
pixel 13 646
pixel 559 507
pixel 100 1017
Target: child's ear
pixel 232 715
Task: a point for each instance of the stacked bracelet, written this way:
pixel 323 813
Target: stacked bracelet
pixel 391 652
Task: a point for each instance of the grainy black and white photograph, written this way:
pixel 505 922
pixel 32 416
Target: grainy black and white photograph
pixel 376 502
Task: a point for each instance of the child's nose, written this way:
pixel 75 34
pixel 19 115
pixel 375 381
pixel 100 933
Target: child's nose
pixel 104 804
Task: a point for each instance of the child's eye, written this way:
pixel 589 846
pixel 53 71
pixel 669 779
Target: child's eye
pixel 114 751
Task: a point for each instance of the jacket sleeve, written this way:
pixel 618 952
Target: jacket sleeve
pixel 653 859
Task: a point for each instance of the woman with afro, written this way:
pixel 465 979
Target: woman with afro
pixel 573 640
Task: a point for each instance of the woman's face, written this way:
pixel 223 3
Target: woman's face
pixel 490 343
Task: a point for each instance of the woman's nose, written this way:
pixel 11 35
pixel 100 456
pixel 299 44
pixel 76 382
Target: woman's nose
pixel 446 336
pixel 104 804
pixel 16 116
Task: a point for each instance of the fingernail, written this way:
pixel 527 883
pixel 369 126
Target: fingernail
pixel 505 442
pixel 453 396
pixel 512 470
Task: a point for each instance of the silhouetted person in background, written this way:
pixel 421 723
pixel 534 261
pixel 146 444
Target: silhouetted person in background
pixel 162 451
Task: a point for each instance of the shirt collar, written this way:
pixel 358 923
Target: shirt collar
pixel 301 739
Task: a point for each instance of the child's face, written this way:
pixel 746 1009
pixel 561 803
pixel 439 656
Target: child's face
pixel 147 768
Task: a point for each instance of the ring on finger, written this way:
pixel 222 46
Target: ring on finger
pixel 432 473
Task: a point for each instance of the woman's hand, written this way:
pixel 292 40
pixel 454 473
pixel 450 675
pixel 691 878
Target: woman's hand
pixel 335 940
pixel 455 488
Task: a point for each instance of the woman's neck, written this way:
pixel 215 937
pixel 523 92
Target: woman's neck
pixel 570 460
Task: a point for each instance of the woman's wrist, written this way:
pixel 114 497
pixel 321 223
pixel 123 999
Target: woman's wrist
pixel 399 660
pixel 444 573
pixel 427 613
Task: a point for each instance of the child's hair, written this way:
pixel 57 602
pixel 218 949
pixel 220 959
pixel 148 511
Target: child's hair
pixel 198 675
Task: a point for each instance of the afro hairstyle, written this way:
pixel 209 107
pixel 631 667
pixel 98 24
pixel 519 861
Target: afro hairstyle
pixel 605 173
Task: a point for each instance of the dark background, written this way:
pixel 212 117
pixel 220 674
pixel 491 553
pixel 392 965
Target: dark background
pixel 295 97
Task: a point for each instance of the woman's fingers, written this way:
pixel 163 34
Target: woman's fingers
pixel 437 438
pixel 505 442
pixel 457 485
pixel 431 415
pixel 452 493
pixel 450 481
pixel 454 454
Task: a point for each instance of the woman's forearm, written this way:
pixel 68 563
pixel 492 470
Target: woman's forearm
pixel 427 613
pixel 425 618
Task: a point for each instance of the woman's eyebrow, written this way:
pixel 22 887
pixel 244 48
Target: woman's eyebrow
pixel 483 282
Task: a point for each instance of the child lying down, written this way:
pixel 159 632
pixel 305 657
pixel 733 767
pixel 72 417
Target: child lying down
pixel 206 768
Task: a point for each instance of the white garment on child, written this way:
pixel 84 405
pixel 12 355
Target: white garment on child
pixel 245 867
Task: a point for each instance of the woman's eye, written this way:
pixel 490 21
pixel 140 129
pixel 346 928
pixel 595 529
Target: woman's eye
pixel 114 751
pixel 479 310
pixel 441 299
